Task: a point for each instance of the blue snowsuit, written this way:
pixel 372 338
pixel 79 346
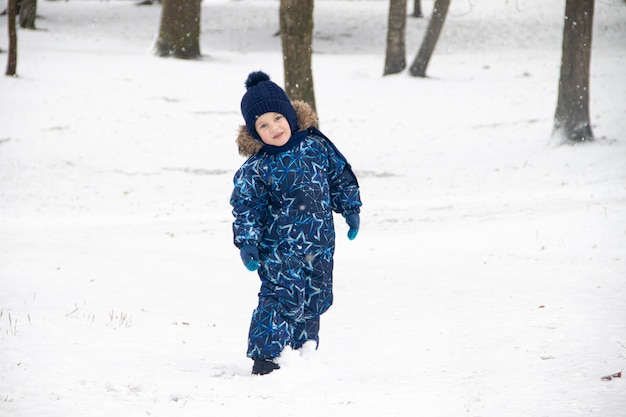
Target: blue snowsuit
pixel 283 200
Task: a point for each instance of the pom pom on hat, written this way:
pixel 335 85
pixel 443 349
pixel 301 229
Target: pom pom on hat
pixel 263 96
pixel 256 77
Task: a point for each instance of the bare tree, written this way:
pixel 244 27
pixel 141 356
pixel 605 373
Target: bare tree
pixel 440 10
pixel 296 33
pixel 179 33
pixel 12 55
pixel 28 12
pixel 417 8
pixel 571 119
pixel 395 54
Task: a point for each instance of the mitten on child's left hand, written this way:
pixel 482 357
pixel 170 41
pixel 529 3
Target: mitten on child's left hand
pixel 250 257
pixel 353 221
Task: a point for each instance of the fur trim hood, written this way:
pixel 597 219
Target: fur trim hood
pixel 248 145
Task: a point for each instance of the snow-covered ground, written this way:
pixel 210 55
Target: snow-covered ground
pixel 488 278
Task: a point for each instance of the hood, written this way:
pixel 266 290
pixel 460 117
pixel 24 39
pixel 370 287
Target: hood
pixel 248 145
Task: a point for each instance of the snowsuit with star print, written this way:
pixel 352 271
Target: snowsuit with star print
pixel 283 202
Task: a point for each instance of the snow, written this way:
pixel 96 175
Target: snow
pixel 488 278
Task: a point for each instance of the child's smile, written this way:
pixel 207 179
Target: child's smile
pixel 273 128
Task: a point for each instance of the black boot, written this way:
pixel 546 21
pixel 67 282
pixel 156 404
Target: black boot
pixel 264 366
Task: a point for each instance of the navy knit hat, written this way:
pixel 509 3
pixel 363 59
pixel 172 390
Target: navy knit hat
pixel 263 96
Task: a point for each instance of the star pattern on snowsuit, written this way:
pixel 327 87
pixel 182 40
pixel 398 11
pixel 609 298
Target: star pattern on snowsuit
pixel 283 204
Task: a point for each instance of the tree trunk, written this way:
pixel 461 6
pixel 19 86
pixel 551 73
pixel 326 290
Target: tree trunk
pixel 12 53
pixel 440 10
pixel 28 12
pixel 179 34
pixel 395 59
pixel 296 33
pixel 417 8
pixel 571 119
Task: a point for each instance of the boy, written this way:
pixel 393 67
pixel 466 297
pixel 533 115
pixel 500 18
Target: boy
pixel 283 200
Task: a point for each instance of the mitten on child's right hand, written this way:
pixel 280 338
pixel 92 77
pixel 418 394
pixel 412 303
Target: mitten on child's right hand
pixel 250 257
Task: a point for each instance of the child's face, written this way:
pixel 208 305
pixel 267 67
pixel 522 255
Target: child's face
pixel 273 128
